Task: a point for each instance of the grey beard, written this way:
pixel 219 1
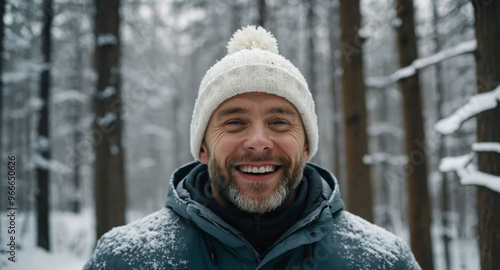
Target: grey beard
pixel 224 183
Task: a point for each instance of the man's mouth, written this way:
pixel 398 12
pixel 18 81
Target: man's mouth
pixel 257 170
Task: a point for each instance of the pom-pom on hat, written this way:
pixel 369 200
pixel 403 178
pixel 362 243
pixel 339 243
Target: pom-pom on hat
pixel 252 65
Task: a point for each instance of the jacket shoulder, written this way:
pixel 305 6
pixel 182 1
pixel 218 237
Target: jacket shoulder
pixel 153 242
pixel 368 246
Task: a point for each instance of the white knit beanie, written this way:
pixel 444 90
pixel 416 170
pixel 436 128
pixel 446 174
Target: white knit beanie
pixel 252 65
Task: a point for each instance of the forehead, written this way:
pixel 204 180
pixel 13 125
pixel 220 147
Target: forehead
pixel 248 102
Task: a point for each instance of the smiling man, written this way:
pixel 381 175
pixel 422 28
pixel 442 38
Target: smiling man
pixel 255 147
pixel 251 200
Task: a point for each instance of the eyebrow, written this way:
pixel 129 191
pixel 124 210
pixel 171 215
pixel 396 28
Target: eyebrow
pixel 240 110
pixel 283 110
pixel 232 110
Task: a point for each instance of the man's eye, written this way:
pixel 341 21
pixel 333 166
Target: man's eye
pixel 234 122
pixel 278 122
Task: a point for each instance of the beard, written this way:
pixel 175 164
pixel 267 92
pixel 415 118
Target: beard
pixel 226 186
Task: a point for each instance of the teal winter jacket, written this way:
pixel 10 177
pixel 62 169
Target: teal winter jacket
pixel 188 235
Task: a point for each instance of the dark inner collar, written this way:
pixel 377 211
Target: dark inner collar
pixel 260 230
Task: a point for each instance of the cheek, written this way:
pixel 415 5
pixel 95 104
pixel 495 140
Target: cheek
pixel 225 145
pixel 292 145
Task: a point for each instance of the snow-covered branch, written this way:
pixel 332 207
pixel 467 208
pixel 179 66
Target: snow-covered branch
pixel 468 173
pixel 486 147
pixel 450 164
pixel 161 132
pixel 402 73
pixel 476 104
pixel 381 157
pixel 69 95
pixel 471 176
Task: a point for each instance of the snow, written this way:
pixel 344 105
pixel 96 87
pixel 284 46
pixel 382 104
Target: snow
pixel 35 103
pixel 471 176
pixel 486 147
pixel 24 70
pixel 106 39
pixel 108 118
pixel 161 230
pixel 396 22
pixel 43 143
pixel 468 173
pixel 381 157
pixel 52 165
pixel 71 239
pixel 161 132
pixel 31 258
pixel 476 104
pixel 450 164
pixel 381 128
pixel 69 95
pixel 363 243
pixel 114 150
pixel 108 91
pixel 462 48
pixel 146 163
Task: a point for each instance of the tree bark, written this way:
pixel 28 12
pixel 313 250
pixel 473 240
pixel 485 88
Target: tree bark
pixel 359 189
pixel 445 204
pixel 76 199
pixel 487 15
pixel 2 25
pixel 335 92
pixel 311 60
pixel 416 169
pixel 109 176
pixel 262 9
pixel 43 171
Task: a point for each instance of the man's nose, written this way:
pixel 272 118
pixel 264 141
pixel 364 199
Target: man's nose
pixel 258 139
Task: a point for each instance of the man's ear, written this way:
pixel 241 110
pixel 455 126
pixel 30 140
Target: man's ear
pixel 203 153
pixel 306 152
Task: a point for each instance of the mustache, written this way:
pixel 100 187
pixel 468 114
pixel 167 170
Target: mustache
pixel 251 157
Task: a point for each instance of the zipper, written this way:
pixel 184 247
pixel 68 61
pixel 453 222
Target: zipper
pixel 257 255
pixel 257 223
pixel 300 227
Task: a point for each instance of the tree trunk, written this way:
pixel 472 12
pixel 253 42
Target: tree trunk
pixel 109 176
pixel 76 199
pixel 2 12
pixel 487 14
pixel 336 95
pixel 42 197
pixel 445 205
pixel 262 9
pixel 416 169
pixel 359 189
pixel 311 63
pixel 236 14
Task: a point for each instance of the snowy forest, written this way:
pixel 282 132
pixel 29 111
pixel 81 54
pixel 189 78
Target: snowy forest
pixel 96 101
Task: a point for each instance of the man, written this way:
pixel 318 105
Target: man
pixel 251 201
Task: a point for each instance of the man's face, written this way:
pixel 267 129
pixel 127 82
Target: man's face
pixel 255 147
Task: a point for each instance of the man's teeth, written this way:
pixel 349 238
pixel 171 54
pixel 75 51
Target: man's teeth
pixel 258 169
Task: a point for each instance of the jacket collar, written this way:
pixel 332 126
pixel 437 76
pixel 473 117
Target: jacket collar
pixel 179 199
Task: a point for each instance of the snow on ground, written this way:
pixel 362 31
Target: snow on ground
pixel 72 241
pixel 32 257
pixel 464 252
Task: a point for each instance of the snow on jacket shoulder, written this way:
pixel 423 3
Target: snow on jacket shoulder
pixel 187 235
pixel 154 242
